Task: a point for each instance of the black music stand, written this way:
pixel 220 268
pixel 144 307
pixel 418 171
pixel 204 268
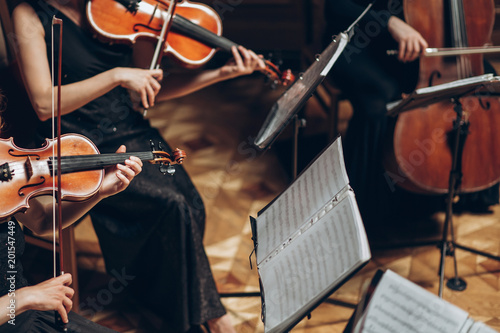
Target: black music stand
pixel 290 102
pixel 479 85
pixel 293 99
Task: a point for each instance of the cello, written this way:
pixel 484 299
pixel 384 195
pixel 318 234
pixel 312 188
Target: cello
pixel 420 154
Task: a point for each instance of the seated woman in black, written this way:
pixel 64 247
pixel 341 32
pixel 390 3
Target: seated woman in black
pixel 25 308
pixel 155 228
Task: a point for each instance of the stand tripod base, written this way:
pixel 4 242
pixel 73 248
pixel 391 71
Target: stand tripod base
pixel 456 284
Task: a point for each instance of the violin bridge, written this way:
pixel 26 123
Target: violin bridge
pixel 28 168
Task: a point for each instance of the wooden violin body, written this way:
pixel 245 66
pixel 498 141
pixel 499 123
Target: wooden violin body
pixel 420 155
pixel 194 37
pixel 114 22
pixel 26 173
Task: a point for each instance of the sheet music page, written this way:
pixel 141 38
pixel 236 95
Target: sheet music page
pixel 399 305
pixel 318 184
pixel 308 268
pixel 479 327
pixel 486 83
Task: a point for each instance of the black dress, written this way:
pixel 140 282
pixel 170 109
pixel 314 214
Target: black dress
pixel 153 230
pixel 12 279
pixel 369 79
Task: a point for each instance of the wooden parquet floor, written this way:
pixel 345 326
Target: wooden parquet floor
pixel 215 127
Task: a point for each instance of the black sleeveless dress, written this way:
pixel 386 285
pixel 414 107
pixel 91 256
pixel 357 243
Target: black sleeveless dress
pixel 153 231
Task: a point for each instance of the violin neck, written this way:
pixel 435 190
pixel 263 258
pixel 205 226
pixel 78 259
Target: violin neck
pixel 95 162
pixel 187 28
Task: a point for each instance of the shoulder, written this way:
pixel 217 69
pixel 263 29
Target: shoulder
pixel 23 10
pixel 26 20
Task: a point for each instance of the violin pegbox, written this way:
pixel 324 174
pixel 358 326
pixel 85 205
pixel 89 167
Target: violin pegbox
pixel 166 160
pixel 275 75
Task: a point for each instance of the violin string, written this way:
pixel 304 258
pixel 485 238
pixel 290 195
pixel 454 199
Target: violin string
pixel 85 161
pixel 103 158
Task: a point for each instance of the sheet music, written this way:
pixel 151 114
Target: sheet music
pixel 479 327
pixel 483 84
pixel 323 255
pixel 399 305
pixel 318 184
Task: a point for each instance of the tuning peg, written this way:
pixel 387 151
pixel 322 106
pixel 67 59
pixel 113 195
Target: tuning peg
pixel 152 144
pixel 171 170
pixel 167 169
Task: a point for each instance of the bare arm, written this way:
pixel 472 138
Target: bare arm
pixel 31 53
pixel 38 217
pixel 53 294
pixel 244 62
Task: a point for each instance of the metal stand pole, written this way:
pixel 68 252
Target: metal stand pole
pixel 454 180
pixel 297 124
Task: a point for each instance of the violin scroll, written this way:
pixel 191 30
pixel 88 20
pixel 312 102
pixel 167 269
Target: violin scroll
pixel 284 78
pixel 177 157
pixel 165 160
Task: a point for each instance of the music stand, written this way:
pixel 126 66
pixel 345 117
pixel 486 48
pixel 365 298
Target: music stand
pixel 299 92
pixel 290 102
pixel 484 84
pixel 294 98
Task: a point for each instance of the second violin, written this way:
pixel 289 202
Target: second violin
pixel 195 34
pixel 27 173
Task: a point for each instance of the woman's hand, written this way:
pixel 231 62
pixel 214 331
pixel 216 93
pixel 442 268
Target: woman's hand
pixel 411 43
pixel 244 62
pixel 117 178
pixel 145 82
pixel 53 294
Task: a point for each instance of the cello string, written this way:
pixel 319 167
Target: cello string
pixel 465 42
pixel 457 38
pixel 465 60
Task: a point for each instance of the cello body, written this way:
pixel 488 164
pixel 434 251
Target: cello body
pixel 420 156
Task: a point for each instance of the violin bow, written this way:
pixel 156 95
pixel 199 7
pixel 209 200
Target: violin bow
pixel 57 204
pixel 162 38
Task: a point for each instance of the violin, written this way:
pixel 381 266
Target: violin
pixel 421 150
pixel 30 172
pixel 194 36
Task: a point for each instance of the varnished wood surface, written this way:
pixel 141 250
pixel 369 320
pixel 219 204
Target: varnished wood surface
pixel 215 127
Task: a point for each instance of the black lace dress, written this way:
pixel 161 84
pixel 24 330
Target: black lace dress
pixel 152 231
